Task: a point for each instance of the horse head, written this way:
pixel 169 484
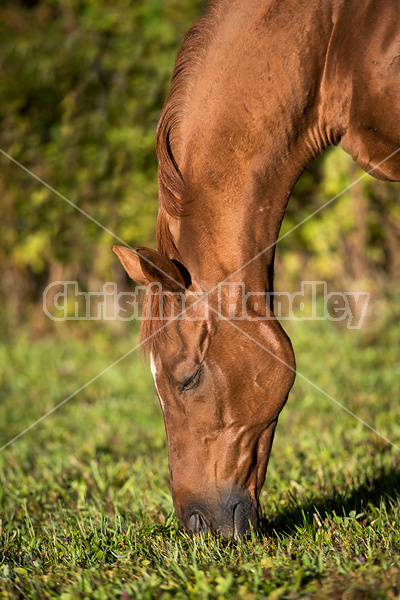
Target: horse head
pixel 221 389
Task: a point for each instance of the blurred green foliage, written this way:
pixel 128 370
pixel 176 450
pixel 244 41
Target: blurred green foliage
pixel 83 83
pixel 353 242
pixel 82 86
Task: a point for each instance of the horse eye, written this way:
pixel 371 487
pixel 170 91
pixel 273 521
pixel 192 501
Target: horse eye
pixel 191 382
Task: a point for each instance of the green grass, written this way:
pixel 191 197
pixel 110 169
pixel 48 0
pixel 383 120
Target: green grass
pixel 85 506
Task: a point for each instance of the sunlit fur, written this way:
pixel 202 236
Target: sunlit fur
pixel 259 89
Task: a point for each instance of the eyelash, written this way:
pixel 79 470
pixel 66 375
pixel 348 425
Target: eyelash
pixel 191 382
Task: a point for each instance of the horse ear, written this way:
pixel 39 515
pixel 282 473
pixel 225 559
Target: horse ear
pixel 160 269
pixel 146 266
pixel 131 263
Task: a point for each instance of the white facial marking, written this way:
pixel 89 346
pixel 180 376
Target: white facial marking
pixel 154 373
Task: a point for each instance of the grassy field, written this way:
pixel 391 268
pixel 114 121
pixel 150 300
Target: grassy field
pixel 85 506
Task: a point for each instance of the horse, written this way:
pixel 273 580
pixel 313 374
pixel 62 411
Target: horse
pixel 259 89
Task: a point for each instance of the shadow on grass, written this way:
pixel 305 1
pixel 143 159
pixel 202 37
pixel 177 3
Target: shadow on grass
pixel 385 486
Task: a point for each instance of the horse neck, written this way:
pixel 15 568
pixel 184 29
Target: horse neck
pixel 255 118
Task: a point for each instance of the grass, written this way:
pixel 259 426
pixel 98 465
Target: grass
pixel 84 496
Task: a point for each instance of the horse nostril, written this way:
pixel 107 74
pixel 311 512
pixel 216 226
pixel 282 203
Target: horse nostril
pixel 197 523
pixel 241 521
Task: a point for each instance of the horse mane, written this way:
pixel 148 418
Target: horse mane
pixel 171 185
pixel 187 67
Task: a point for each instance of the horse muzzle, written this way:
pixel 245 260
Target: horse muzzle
pixel 234 515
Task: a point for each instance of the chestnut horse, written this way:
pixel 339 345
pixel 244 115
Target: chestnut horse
pixel 260 88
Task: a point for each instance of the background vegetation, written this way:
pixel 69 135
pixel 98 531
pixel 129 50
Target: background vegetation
pixel 85 509
pixel 82 86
